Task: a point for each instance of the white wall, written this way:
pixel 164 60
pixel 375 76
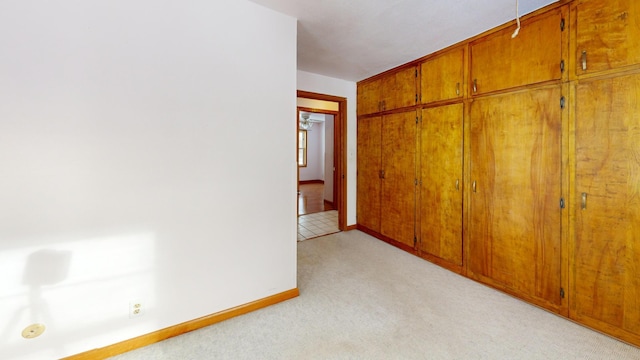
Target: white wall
pixel 128 166
pixel 315 154
pixel 347 89
pixel 328 157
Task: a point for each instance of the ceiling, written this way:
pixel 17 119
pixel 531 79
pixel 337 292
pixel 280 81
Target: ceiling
pixel 356 39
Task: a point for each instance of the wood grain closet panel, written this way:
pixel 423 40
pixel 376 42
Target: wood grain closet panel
pixel 441 182
pixel 607 34
pixel 515 217
pixel 398 183
pixel 442 77
pixel 399 89
pixel 499 61
pixel 370 97
pixel 606 278
pixel 369 168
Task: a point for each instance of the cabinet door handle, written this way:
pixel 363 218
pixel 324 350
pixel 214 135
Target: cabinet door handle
pixel 458 89
pixel 584 201
pixel 584 60
pixel 474 186
pixel 475 86
pixel 458 184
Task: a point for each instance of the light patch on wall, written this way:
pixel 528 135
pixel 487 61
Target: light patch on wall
pixel 71 278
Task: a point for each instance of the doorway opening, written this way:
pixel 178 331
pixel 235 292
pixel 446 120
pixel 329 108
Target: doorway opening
pixel 321 137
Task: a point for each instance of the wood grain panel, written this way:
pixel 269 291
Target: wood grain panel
pixel 515 222
pixel 398 185
pixel 369 97
pixel 501 62
pixel 442 77
pixel 369 167
pixel 606 279
pixel 441 182
pixel 609 34
pixel 399 89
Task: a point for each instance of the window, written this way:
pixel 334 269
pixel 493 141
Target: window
pixel 302 148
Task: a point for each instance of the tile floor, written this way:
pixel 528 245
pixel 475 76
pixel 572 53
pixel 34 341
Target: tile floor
pixel 317 224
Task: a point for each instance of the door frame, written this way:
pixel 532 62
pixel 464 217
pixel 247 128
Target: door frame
pixel 339 150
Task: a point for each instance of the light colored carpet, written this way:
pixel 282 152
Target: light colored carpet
pixel 363 299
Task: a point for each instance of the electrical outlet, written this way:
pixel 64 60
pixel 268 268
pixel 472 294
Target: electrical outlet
pixel 135 309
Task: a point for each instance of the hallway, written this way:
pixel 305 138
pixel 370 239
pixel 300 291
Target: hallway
pixel 315 216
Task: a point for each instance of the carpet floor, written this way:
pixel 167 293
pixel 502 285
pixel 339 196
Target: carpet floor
pixel 363 299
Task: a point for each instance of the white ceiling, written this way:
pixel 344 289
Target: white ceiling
pixel 356 39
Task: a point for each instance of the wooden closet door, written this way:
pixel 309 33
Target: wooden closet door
pixel 398 183
pixel 400 89
pixel 370 97
pixel 369 168
pixel 499 61
pixel 515 217
pixel 442 77
pixel 606 276
pixel 441 183
pixel 607 34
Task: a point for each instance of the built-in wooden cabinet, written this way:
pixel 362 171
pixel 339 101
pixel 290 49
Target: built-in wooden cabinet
pixel 398 199
pixel 369 172
pixel 392 91
pixel 370 97
pixel 607 34
pixel 499 61
pixel 442 77
pixel 441 184
pixel 514 240
pixel 386 180
pixel 526 158
pixel 606 202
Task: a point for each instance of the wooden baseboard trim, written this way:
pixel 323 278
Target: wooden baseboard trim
pixel 306 182
pixel 351 227
pixel 185 327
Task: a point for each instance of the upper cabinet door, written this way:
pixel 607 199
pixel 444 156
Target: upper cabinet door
pixel 400 89
pixel 442 76
pixel 607 34
pixel 499 61
pixel 370 97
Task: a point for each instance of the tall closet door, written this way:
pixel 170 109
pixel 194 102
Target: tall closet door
pixel 515 217
pixel 399 176
pixel 441 183
pixel 369 172
pixel 606 278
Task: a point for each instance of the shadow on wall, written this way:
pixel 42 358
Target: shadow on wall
pixel 59 287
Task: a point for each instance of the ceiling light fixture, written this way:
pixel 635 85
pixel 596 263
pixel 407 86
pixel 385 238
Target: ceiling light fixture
pixel 305 123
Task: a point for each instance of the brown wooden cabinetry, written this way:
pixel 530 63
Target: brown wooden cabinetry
pixel 513 193
pixel 442 77
pixel 607 34
pixel 370 97
pixel 441 184
pixel 499 61
pixel 398 177
pixel 606 264
pixel 369 172
pixel 515 218
pixel 392 91
pixel 386 180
